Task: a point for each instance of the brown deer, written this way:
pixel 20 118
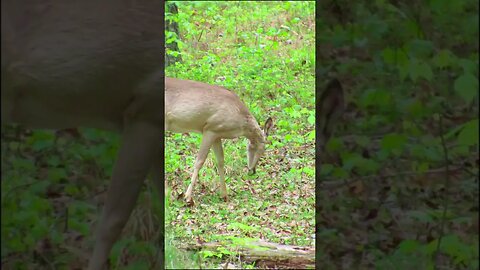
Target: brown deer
pixel 69 63
pixel 217 114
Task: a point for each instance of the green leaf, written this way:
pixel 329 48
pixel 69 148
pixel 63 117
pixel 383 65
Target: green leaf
pixel 241 226
pixel 311 135
pixel 41 140
pixel 422 167
pixel 72 190
pixel 57 174
pixel 408 246
pixel 468 65
pixel 138 265
pixel 416 108
pixel 444 58
pixel 468 136
pixel 388 56
pixel 393 141
pixel 376 98
pixel 420 69
pixel 401 57
pixel 466 87
pixel 208 253
pixel 420 48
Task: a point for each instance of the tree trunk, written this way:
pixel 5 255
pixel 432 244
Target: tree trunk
pixel 172 26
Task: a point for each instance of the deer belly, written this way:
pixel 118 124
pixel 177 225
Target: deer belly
pixel 182 124
pixel 49 110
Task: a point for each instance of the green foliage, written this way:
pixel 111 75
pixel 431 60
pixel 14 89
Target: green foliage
pixel 410 69
pixel 414 254
pixel 48 182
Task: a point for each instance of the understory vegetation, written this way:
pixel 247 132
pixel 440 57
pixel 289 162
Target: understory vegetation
pixel 53 188
pixel 400 182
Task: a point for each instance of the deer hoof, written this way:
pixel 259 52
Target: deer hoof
pixel 189 201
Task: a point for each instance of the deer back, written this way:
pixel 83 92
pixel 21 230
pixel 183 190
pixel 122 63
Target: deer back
pixel 192 106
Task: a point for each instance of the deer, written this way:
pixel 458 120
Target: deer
pixel 217 114
pixel 98 64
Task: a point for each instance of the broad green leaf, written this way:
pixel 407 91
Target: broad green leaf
pixel 389 56
pixel 444 58
pixel 468 136
pixel 466 87
pixel 376 98
pixel 420 48
pixel 393 141
pixel 311 119
pixel 57 174
pixel 420 69
pixel 468 65
pixel 408 246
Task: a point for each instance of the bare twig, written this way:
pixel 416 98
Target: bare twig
pixel 445 201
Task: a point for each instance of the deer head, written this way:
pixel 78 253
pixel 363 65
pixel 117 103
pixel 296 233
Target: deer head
pixel 256 147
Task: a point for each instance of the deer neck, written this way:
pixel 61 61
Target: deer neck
pixel 253 132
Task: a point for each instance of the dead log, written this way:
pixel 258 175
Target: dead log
pixel 264 254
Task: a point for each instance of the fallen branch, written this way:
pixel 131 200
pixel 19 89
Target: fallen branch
pixel 266 254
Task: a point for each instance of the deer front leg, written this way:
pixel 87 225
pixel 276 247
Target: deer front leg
pixel 207 141
pixel 218 150
pixel 135 158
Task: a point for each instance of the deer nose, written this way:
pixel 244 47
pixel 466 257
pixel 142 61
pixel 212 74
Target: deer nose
pixel 252 171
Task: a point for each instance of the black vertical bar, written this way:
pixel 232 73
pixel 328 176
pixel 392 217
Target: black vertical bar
pixel 317 132
pixel 162 140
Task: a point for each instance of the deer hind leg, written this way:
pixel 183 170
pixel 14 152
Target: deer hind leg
pixel 207 141
pixel 136 155
pixel 218 150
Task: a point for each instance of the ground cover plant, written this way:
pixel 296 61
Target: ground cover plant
pixel 53 187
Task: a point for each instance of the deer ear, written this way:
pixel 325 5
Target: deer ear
pixel 268 126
